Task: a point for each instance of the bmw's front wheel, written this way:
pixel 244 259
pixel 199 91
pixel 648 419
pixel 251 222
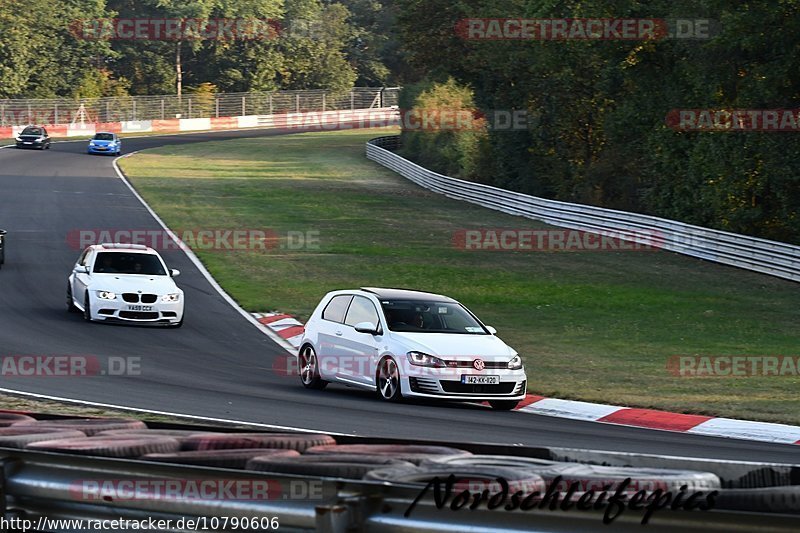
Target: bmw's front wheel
pixel 309 369
pixel 387 379
pixel 70 303
pixel 87 310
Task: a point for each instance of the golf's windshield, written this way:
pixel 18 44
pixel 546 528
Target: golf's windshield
pixel 104 137
pixel 31 131
pixel 128 263
pixel 420 316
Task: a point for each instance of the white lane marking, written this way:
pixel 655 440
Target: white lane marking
pixel 745 429
pixel 193 258
pixel 166 413
pixel 570 409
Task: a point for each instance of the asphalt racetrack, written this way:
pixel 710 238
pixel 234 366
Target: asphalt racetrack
pixel 220 365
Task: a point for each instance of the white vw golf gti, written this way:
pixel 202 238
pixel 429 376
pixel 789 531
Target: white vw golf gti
pixel 403 343
pixel 124 283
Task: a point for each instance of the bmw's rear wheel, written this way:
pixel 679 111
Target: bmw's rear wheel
pixel 87 310
pixel 388 380
pixel 309 369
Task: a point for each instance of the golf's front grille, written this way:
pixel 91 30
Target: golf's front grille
pixel 138 315
pixel 456 387
pixel 469 364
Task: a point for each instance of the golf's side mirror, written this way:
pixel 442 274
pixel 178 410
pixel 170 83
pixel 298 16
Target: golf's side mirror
pixel 367 327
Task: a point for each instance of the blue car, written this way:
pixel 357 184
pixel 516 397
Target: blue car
pixel 104 143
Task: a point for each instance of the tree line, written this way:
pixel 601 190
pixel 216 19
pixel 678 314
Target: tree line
pixel 599 110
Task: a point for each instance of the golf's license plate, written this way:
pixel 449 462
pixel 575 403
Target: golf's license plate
pixel 27 142
pixel 140 308
pixel 480 380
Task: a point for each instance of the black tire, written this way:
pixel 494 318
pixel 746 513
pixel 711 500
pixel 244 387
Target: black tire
pixel 591 477
pixel 387 380
pixel 343 466
pixel 87 310
pixel 283 441
pixel 89 426
pixel 503 405
pixel 309 368
pixel 120 446
pixel 412 453
pixel 19 437
pixel 48 146
pixel 784 499
pixel 9 419
pixel 70 305
pixel 473 478
pixel 237 458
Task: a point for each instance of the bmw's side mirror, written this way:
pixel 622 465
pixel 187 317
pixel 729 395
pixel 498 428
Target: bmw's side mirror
pixel 491 330
pixel 174 272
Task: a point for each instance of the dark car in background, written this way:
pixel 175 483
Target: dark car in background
pixel 33 137
pixel 2 247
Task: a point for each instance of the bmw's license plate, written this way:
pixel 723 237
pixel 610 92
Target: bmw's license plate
pixel 480 380
pixel 140 308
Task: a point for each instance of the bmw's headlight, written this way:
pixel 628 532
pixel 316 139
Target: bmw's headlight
pixel 106 295
pixel 423 359
pixel 174 297
pixel 515 363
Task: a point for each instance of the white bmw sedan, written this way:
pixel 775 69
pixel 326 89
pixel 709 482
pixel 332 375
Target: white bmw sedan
pixel 403 343
pixel 124 283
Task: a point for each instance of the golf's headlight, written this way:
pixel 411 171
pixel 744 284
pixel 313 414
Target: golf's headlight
pixel 423 359
pixel 515 363
pixel 91 143
pixel 174 297
pixel 18 138
pixel 106 295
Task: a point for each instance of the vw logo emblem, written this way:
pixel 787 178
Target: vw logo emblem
pixel 479 364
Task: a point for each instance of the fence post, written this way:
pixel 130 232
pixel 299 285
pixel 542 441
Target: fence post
pixel 216 106
pixel 297 102
pixel 244 106
pixel 323 102
pixel 190 107
pixel 352 101
pixel 270 104
pixel 2 114
pixel 30 113
pixel 162 109
pixel 133 109
pixel 55 113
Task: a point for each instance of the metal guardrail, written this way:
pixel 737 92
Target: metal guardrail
pixel 38 485
pixel 751 253
pixel 131 108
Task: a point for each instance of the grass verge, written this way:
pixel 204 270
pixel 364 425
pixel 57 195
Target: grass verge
pixel 595 326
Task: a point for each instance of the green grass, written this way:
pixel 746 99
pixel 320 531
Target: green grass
pixel 596 326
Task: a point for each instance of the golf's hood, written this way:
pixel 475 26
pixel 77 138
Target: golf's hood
pixel 456 346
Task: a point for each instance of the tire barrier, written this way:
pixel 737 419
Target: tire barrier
pixel 119 446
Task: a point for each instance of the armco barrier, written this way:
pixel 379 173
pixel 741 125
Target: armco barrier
pixel 37 485
pixel 751 253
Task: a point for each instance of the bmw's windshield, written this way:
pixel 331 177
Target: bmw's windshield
pixel 420 316
pixel 128 263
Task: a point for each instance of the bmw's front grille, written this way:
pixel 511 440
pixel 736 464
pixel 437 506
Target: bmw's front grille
pixel 138 315
pixel 131 297
pixel 149 298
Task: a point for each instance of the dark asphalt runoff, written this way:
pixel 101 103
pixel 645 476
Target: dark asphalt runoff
pixel 219 365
